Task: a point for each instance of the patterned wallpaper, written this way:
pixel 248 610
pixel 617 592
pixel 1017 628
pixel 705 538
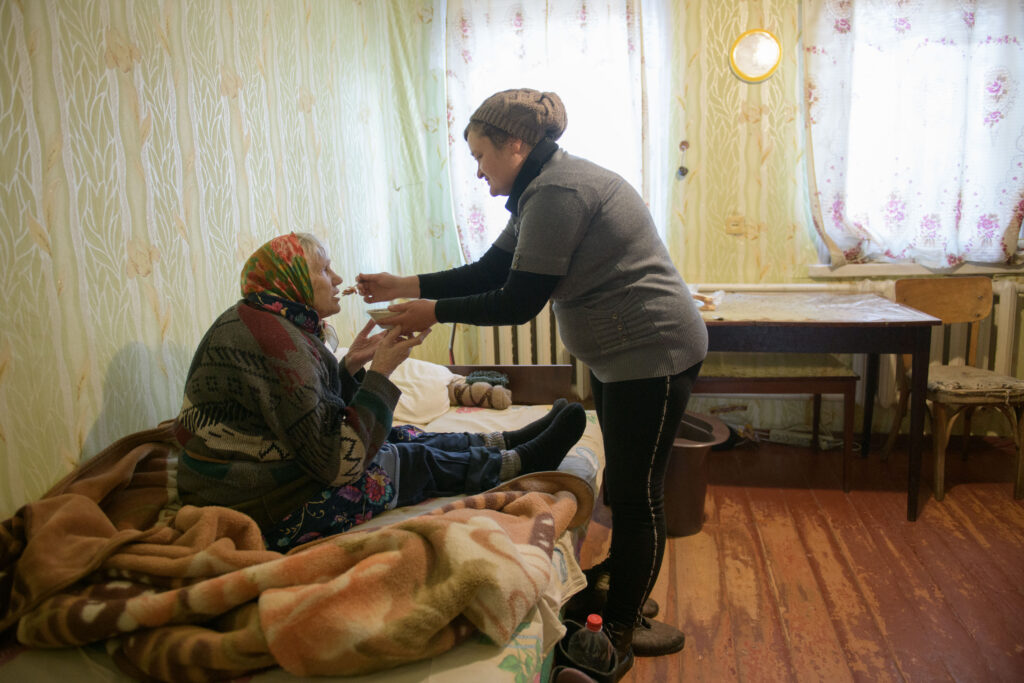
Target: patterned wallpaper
pixel 746 153
pixel 149 146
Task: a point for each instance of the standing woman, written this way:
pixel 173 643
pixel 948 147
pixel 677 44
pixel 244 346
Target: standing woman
pixel 580 236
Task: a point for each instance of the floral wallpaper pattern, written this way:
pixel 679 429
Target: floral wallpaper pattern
pixel 149 147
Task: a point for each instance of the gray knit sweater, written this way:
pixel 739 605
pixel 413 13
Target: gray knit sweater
pixel 622 307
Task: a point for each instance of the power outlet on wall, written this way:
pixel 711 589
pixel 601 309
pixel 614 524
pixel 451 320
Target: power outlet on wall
pixel 736 225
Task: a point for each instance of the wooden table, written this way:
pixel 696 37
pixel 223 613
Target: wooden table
pixel 819 322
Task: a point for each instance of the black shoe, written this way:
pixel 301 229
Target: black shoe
pixel 623 665
pixel 655 638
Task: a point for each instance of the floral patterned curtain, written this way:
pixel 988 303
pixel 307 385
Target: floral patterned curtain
pixel 916 129
pixel 593 54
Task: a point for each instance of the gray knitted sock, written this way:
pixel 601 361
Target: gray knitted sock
pixel 511 465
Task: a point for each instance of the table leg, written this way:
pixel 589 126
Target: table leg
pixel 918 389
pixel 848 401
pixel 870 391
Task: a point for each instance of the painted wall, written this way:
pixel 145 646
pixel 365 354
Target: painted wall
pixel 746 153
pixel 148 148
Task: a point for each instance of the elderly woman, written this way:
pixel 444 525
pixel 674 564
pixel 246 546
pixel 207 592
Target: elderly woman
pixel 274 426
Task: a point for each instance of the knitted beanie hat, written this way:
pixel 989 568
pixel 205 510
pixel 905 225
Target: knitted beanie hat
pixel 529 115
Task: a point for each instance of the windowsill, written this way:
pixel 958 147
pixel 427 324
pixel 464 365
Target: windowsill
pixel 858 270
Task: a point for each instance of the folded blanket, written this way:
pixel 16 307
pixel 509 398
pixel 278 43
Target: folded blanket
pixel 190 593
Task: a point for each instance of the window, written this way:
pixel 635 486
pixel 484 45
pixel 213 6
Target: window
pixel 590 53
pixel 916 130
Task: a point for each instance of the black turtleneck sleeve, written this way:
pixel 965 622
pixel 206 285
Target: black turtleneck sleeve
pixel 488 291
pixel 518 301
pixel 488 272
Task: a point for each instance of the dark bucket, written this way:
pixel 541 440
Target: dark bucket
pixel 686 482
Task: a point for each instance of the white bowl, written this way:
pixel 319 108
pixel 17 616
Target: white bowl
pixel 379 315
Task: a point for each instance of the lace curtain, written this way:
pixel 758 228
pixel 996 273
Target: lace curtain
pixel 593 54
pixel 916 129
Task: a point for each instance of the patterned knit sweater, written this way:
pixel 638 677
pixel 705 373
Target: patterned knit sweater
pixel 270 417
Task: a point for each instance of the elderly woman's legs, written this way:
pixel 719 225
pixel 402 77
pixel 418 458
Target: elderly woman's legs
pixel 518 436
pixel 431 464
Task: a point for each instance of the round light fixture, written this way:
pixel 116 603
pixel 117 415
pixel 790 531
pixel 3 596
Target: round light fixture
pixel 755 55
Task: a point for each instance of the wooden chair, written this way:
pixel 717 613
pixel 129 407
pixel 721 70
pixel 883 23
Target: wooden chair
pixel 955 390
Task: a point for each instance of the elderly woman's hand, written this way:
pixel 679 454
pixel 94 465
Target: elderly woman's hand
pixel 362 348
pixel 395 348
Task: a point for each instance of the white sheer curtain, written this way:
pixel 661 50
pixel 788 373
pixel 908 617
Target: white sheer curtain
pixel 916 122
pixel 593 54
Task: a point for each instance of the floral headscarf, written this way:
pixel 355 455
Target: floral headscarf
pixel 276 279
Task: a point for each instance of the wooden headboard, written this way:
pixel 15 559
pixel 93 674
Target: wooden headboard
pixel 530 384
pixel 532 355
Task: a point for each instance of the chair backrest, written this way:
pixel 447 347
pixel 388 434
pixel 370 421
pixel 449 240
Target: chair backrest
pixel 952 300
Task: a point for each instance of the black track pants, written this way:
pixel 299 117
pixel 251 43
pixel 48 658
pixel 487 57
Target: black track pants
pixel 638 419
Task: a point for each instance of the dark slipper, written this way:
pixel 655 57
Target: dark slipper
pixel 655 638
pixel 565 674
pixel 622 661
pixel 622 665
pixel 592 602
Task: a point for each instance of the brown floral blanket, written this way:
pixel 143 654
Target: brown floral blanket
pixel 189 593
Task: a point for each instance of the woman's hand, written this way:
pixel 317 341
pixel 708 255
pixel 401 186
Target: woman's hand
pixel 362 348
pixel 376 287
pixel 395 348
pixel 413 315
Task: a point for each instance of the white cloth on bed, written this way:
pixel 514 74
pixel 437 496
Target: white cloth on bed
pixel 424 387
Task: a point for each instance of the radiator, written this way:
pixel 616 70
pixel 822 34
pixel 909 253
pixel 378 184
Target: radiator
pixel 537 342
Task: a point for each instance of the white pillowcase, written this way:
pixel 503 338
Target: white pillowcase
pixel 424 388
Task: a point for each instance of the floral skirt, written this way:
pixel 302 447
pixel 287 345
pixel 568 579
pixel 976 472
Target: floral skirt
pixel 336 509
pixel 424 464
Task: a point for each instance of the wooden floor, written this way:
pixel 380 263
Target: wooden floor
pixel 791 579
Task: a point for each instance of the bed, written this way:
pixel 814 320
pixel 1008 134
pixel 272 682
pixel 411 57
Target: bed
pixel 464 650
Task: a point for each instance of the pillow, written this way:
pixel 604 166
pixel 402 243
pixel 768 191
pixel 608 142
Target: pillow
pixel 424 388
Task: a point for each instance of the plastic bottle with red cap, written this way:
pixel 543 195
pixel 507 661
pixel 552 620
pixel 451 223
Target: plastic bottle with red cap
pixel 590 646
